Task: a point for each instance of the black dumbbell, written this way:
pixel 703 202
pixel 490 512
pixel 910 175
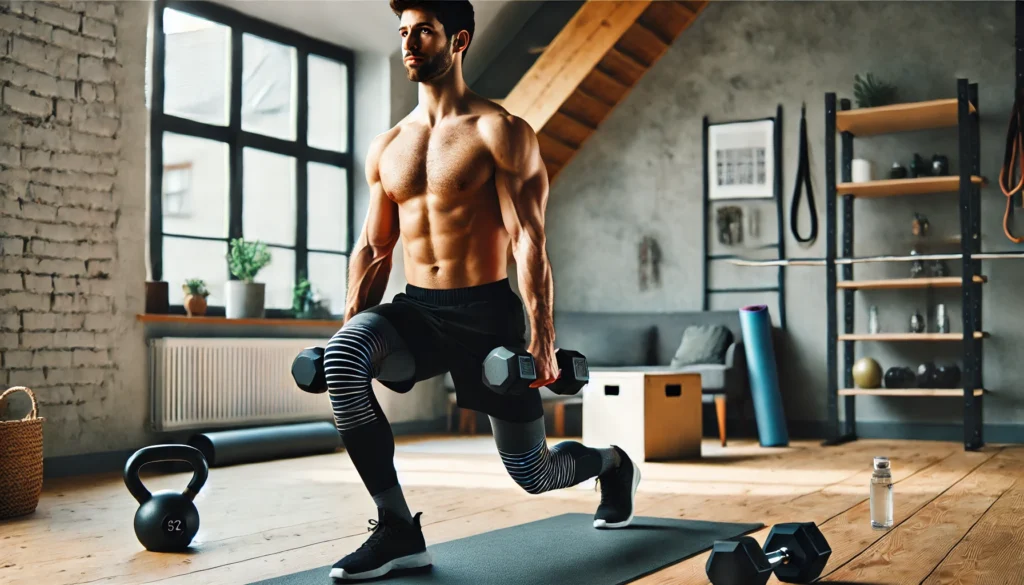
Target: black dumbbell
pixel 575 372
pixel 308 370
pixel 510 371
pixel 797 553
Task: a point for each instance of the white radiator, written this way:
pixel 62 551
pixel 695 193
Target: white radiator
pixel 212 382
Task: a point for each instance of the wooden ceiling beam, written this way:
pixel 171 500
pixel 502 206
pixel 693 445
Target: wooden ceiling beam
pixel 571 56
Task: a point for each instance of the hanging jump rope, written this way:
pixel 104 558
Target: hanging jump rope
pixel 1014 155
pixel 803 174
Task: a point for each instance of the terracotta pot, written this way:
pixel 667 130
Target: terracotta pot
pixel 195 305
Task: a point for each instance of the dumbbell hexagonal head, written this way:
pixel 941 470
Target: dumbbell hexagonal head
pixel 738 561
pixel 808 551
pixel 308 370
pixel 507 371
pixel 575 373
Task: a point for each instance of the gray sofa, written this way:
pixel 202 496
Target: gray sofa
pixel 650 340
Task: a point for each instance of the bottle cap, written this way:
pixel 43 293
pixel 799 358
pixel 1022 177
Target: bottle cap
pixel 881 463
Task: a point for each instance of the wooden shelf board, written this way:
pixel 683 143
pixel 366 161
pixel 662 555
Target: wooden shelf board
pixel 925 115
pixel 905 283
pixel 897 187
pixel 945 392
pixel 907 336
pixel 206 320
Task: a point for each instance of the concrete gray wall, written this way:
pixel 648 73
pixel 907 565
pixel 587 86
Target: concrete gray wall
pixel 641 174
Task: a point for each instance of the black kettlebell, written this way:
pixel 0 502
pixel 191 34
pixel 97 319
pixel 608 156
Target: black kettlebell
pixel 166 521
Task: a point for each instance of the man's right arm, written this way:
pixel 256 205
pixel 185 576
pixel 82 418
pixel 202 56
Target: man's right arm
pixel 371 259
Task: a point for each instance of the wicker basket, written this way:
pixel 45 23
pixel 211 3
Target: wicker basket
pixel 21 460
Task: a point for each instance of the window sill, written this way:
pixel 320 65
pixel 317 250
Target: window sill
pixel 206 320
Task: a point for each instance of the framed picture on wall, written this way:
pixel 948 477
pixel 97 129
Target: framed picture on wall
pixel 741 160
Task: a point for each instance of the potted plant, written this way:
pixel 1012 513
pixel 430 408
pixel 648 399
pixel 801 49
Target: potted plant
pixel 245 298
pixel 871 92
pixel 306 303
pixel 195 297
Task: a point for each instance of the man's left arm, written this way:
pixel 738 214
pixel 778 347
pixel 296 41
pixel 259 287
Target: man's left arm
pixel 522 185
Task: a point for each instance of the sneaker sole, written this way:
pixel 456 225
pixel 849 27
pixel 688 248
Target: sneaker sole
pixel 632 504
pixel 408 562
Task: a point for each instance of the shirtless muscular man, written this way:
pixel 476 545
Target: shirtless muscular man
pixel 458 180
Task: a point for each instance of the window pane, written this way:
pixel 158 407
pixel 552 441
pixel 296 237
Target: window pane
pixel 185 258
pixel 196 173
pixel 268 193
pixel 268 87
pixel 197 68
pixel 328 104
pixel 328 273
pixel 279 277
pixel 328 207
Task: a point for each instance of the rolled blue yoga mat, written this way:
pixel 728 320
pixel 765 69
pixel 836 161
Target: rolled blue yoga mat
pixel 764 376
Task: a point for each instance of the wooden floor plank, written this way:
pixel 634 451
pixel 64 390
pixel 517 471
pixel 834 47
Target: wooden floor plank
pixel 850 533
pixel 701 503
pixel 310 511
pixel 908 553
pixel 298 500
pixel 992 550
pixel 817 505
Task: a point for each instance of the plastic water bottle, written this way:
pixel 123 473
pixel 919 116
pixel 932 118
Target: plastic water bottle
pixel 881 495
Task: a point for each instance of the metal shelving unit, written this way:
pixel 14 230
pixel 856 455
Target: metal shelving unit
pixel 962 114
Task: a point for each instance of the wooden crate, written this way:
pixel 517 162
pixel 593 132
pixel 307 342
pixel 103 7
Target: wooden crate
pixel 653 416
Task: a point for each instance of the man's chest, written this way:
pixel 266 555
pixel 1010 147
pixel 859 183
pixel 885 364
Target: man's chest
pixel 448 162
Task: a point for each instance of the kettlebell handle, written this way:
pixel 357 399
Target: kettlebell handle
pixel 160 453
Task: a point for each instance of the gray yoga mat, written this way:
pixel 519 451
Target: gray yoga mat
pixel 562 550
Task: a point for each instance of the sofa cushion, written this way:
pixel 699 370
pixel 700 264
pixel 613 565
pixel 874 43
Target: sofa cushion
pixel 702 344
pixel 671 327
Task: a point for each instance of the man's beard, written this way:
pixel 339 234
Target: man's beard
pixel 436 66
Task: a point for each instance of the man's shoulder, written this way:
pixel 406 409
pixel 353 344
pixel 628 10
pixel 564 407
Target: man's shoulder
pixel 504 123
pixel 380 141
pixel 388 135
pixel 510 139
pixel 504 131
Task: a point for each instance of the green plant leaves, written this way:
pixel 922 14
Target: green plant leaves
pixel 247 258
pixel 870 92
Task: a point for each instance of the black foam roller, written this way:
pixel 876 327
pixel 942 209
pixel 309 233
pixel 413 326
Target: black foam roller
pixel 266 443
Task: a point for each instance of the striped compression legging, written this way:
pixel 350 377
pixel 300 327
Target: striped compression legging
pixel 368 347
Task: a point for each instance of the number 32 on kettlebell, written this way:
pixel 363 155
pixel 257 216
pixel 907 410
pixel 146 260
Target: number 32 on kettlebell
pixel 166 521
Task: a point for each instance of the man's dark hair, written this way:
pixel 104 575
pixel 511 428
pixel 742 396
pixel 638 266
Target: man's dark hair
pixel 454 15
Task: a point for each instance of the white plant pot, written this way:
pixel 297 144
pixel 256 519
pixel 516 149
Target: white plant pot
pixel 244 300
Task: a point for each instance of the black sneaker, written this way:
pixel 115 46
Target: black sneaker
pixel 394 544
pixel 618 493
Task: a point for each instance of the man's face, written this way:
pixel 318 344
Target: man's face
pixel 426 49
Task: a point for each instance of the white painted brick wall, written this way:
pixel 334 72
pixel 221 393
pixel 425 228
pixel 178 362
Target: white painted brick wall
pixel 72 217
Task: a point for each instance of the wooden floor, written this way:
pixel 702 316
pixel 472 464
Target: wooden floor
pixel 958 514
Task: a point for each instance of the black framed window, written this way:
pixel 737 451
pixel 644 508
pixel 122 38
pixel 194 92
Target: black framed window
pixel 251 137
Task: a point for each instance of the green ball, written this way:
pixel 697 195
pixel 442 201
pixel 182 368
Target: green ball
pixel 867 373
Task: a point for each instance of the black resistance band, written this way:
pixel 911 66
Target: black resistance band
pixel 803 174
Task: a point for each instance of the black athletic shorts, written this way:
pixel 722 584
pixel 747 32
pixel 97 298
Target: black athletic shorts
pixel 453 330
